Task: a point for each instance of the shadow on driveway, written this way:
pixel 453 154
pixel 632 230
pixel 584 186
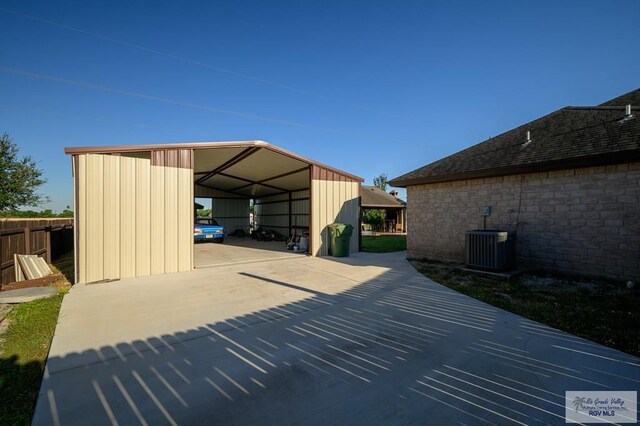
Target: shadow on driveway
pixel 395 349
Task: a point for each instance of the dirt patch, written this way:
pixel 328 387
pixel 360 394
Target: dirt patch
pixel 603 311
pixel 4 321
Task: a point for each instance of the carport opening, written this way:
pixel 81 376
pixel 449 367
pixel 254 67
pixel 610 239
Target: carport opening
pixel 259 196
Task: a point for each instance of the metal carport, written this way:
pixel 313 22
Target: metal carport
pixel 134 204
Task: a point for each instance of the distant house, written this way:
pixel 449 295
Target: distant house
pixel 374 198
pixel 568 184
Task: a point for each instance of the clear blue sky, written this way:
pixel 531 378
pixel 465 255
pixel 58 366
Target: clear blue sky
pixel 368 87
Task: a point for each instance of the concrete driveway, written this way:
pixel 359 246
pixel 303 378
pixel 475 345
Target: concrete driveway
pixel 236 250
pixel 363 340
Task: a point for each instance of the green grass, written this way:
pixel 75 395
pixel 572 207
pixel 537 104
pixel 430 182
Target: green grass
pixel 23 353
pixel 384 243
pixel 600 311
pixel 65 265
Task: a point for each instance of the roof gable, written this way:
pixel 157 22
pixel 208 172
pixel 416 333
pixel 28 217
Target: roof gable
pixel 631 98
pixel 569 137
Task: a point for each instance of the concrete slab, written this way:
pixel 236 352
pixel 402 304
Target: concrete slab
pixel 26 294
pixel 358 340
pixel 240 250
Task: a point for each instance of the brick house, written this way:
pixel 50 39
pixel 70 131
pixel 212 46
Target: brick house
pixel 568 184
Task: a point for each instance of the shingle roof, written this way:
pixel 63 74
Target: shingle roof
pixel 631 98
pixel 569 137
pixel 376 197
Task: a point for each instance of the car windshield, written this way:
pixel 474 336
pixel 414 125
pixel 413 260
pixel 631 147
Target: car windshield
pixel 206 221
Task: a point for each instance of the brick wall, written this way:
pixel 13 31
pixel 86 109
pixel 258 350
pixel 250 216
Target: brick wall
pixel 584 220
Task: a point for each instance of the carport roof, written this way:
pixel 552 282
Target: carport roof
pixel 248 168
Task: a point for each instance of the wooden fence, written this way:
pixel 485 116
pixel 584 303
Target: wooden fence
pixel 49 238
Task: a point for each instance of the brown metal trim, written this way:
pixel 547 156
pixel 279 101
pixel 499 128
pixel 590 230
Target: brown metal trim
pixel 239 157
pixel 621 157
pixel 328 174
pixel 222 198
pixel 315 163
pixel 293 172
pixel 181 158
pixel 281 201
pixel 184 158
pixel 244 196
pixel 204 145
pixel 261 184
pixel 159 147
pixel 287 191
pixel 252 182
pixel 171 158
pixel 157 157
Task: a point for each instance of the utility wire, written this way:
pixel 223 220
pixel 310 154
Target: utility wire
pixel 163 99
pixel 49 111
pixel 182 59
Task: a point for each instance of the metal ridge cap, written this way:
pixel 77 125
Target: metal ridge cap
pixel 104 149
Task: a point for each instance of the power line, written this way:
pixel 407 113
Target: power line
pixel 163 99
pixel 182 59
pixel 40 110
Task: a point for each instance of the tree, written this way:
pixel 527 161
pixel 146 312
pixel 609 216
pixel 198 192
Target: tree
pixel 374 218
pixel 48 213
pixel 381 181
pixel 19 178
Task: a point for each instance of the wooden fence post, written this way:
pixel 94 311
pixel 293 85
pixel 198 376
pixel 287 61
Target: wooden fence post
pixel 27 240
pixel 47 243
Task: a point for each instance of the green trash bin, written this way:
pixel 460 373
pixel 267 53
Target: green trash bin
pixel 340 238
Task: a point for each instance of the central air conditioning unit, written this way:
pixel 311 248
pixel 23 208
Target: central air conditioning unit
pixel 490 250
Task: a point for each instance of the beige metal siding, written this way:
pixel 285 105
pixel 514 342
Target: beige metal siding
pixel 112 216
pixel 228 209
pixel 334 198
pixel 171 219
pixel 127 222
pixel 185 219
pixel 157 220
pixel 143 218
pixel 134 218
pixel 272 212
pixel 300 206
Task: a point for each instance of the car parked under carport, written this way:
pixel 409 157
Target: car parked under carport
pixel 134 205
pixel 207 229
